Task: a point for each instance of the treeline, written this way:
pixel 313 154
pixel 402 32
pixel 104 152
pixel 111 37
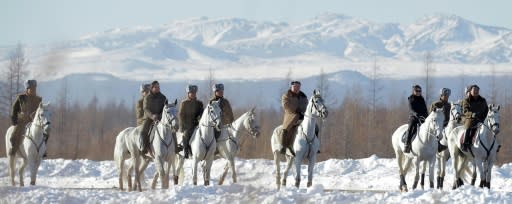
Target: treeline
pixel 352 130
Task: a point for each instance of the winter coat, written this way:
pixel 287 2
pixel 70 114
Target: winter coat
pixel 474 110
pixel 139 111
pixel 23 108
pixel 294 106
pixel 227 112
pixel 189 113
pixel 417 107
pixel 446 110
pixel 153 104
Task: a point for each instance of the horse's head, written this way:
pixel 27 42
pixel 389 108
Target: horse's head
pixel 42 117
pixel 251 124
pixel 493 118
pixel 319 109
pixel 435 121
pixel 455 111
pixel 169 115
pixel 214 114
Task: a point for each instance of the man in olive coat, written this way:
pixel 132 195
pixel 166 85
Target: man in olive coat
pixel 139 107
pixel 474 109
pixel 446 106
pixel 153 106
pixel 22 112
pixel 227 112
pixel 189 114
pixel 417 114
pixel 294 103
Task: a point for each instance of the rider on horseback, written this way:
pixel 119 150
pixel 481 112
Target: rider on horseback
pixel 445 105
pixel 23 109
pixel 418 113
pixel 153 106
pixel 474 109
pixel 139 107
pixel 294 103
pixel 227 112
pixel 189 114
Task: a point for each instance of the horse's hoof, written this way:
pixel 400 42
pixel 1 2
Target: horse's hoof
pixel 297 184
pixel 403 188
pixel 195 183
pixel 206 183
pixel 175 178
pixel 32 183
pixel 310 184
pixel 283 183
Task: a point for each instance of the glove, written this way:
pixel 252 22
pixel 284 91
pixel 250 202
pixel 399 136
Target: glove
pixel 301 116
pixel 473 115
pixel 154 117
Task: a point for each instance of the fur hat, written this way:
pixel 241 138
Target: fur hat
pixel 31 83
pixel 218 87
pixel 416 86
pixel 145 87
pixel 154 83
pixel 191 88
pixel 445 91
pixel 294 82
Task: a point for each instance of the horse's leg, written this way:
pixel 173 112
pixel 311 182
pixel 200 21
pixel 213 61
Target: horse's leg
pixel 417 175
pixel 155 180
pixel 194 172
pixel 431 166
pixel 12 168
pixel 170 164
pixel 129 172
pixel 223 176
pixel 22 170
pixel 473 174
pixel 159 164
pixel 490 163
pixel 422 179
pixel 179 170
pixel 299 156
pixel 481 171
pixel 233 170
pixel 289 162
pixel 207 168
pixel 401 172
pixel 311 166
pixel 136 165
pixel 34 166
pixel 278 169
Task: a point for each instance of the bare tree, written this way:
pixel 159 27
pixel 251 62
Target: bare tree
pixel 13 78
pixel 209 82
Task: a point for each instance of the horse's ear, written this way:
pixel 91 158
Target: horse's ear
pixel 498 107
pixel 166 102
pixel 41 104
pixel 175 101
pixel 316 92
pixel 252 109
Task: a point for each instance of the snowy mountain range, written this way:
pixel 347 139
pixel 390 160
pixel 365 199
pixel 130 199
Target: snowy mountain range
pixel 450 39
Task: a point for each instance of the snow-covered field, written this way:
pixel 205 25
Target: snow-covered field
pixel 369 180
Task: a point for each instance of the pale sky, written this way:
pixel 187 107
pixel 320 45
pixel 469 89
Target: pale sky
pixel 45 21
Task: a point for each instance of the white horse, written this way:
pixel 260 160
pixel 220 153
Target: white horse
pixel 424 148
pixel 128 143
pixel 228 144
pixel 163 145
pixel 482 151
pixel 202 142
pixel 306 143
pixel 33 147
pixel 443 156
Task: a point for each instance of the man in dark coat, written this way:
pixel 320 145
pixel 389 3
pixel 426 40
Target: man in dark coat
pixel 22 113
pixel 446 106
pixel 189 114
pixel 153 106
pixel 226 116
pixel 294 103
pixel 474 109
pixel 417 114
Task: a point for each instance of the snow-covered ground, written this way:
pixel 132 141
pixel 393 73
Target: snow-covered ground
pixel 369 180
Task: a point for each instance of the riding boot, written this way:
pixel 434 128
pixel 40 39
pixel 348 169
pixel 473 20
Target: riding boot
pixel 284 141
pixel 467 140
pixel 46 136
pixel 316 133
pixel 407 147
pixel 498 150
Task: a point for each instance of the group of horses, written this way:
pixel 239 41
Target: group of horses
pixel 205 147
pixel 482 152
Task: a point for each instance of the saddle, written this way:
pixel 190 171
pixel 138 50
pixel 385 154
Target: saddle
pixel 414 134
